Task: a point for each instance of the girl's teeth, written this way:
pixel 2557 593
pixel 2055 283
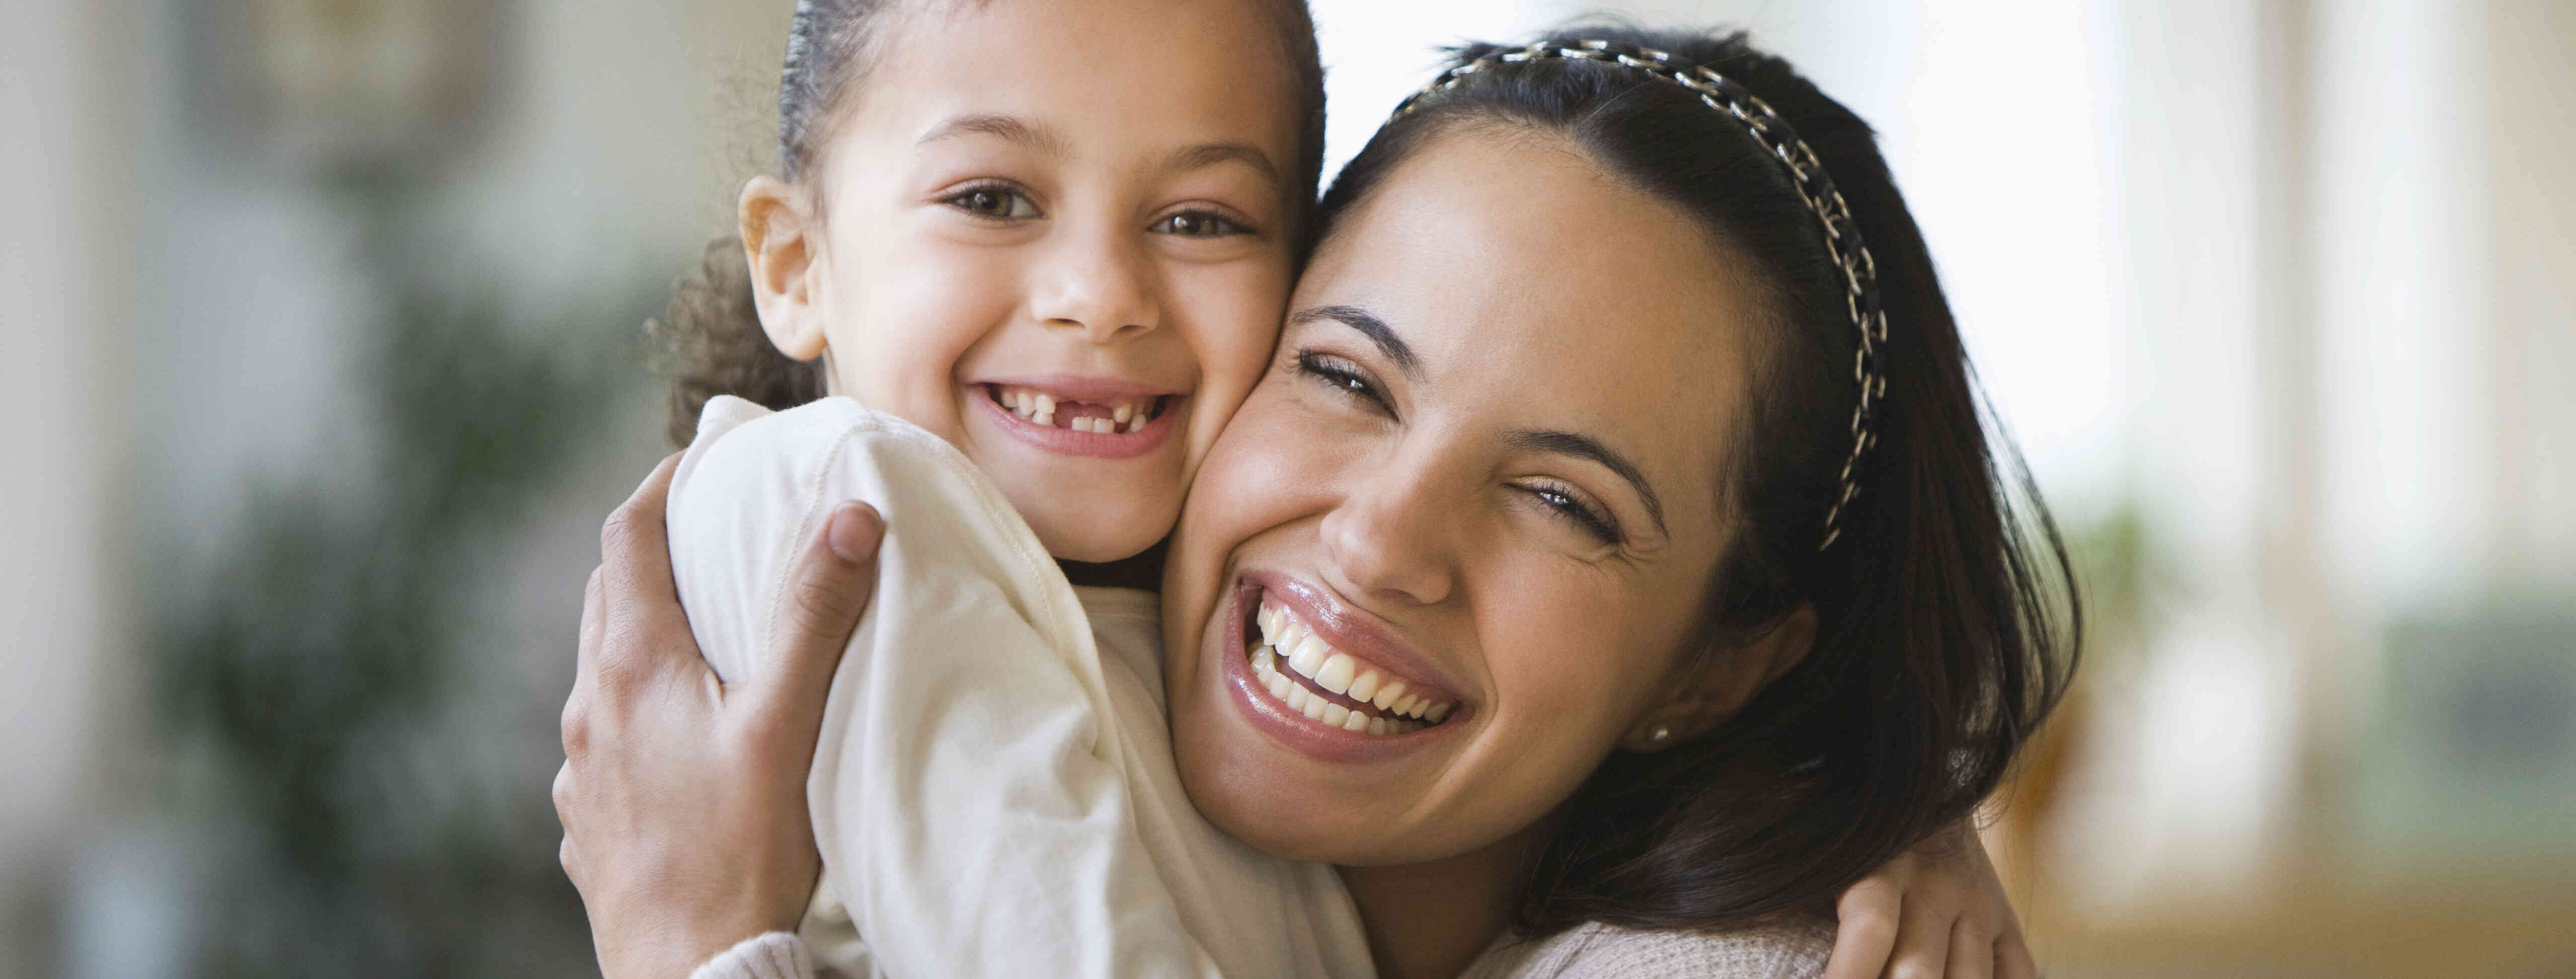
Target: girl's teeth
pixel 1122 413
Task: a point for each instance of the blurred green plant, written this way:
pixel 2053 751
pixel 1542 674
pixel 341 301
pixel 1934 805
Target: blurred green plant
pixel 317 700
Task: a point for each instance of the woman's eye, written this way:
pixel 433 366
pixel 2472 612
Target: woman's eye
pixel 1343 376
pixel 1198 224
pixel 999 203
pixel 1573 509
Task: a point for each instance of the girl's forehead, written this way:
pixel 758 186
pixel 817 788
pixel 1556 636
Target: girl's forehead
pixel 1211 64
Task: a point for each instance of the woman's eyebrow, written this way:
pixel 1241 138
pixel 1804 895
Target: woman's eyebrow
pixel 1587 447
pixel 1394 347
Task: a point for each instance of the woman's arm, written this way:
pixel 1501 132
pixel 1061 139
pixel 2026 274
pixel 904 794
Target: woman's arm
pixel 683 803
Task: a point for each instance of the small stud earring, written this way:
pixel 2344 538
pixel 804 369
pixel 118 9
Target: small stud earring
pixel 1660 734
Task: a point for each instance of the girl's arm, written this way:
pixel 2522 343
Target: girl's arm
pixel 1935 910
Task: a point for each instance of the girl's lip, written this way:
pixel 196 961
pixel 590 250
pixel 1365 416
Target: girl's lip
pixel 1066 441
pixel 1069 387
pixel 1303 734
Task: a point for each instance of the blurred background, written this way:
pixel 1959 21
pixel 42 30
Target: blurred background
pixel 323 318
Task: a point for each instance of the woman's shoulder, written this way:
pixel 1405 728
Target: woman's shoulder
pixel 1785 947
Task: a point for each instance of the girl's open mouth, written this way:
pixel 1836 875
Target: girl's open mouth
pixel 1294 666
pixel 1113 416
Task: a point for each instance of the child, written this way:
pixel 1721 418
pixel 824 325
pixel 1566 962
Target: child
pixel 1049 261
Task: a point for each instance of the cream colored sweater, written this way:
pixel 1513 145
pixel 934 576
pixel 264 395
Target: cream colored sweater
pixel 1779 951
pixel 1598 951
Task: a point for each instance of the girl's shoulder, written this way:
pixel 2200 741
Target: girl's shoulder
pixel 1786 947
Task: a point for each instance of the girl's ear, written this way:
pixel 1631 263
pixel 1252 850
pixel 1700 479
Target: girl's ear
pixel 1721 684
pixel 779 241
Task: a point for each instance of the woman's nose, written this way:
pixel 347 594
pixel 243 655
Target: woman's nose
pixel 1391 539
pixel 1100 284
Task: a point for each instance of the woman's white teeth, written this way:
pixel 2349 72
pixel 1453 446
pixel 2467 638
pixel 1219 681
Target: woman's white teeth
pixel 1288 643
pixel 1339 669
pixel 1387 695
pixel 1265 671
pixel 1039 408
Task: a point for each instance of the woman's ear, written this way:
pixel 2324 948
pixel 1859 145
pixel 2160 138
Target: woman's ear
pixel 779 241
pixel 1723 682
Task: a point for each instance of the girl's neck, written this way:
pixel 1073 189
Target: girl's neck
pixel 1431 920
pixel 1144 571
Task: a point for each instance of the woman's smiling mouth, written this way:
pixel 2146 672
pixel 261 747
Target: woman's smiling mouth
pixel 1312 689
pixel 1332 686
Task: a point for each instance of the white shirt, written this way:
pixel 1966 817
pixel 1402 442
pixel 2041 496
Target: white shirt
pixel 990 794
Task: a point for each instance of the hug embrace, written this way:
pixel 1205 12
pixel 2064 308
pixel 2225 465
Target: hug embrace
pixel 1570 546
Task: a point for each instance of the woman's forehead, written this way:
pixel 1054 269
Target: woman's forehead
pixel 1523 272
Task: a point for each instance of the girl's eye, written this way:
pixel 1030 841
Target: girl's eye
pixel 1343 376
pixel 1199 224
pixel 1572 508
pixel 997 203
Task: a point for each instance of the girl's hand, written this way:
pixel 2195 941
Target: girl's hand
pixel 1937 910
pixel 683 801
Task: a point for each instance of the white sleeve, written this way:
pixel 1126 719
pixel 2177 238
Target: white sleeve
pixel 777 955
pixel 966 790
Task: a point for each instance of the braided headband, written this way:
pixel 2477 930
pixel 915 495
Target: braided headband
pixel 1842 237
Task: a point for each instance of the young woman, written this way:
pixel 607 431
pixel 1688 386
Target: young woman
pixel 1620 409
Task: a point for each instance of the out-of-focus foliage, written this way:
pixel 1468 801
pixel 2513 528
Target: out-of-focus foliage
pixel 316 692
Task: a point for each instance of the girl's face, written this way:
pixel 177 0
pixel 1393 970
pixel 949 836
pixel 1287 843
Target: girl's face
pixel 1485 465
pixel 1055 234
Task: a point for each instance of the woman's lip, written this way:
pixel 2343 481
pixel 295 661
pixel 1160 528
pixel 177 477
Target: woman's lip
pixel 1106 445
pixel 1353 634
pixel 1300 733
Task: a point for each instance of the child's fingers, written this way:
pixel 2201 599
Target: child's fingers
pixel 1867 930
pixel 2012 958
pixel 828 592
pixel 1922 939
pixel 1972 954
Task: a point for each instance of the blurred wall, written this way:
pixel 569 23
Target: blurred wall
pixel 63 158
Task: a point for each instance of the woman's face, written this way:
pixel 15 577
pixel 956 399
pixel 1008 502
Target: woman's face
pixel 1484 464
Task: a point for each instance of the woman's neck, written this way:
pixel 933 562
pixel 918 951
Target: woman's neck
pixel 1431 920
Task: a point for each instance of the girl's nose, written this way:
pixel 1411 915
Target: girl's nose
pixel 1101 284
pixel 1390 538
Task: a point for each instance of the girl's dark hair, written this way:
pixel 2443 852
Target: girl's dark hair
pixel 709 341
pixel 1947 621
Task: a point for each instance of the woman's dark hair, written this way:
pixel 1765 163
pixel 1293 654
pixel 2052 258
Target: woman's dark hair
pixel 1947 622
pixel 709 340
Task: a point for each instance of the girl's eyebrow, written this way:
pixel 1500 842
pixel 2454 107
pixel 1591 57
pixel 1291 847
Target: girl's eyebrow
pixel 1036 137
pixel 1189 158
